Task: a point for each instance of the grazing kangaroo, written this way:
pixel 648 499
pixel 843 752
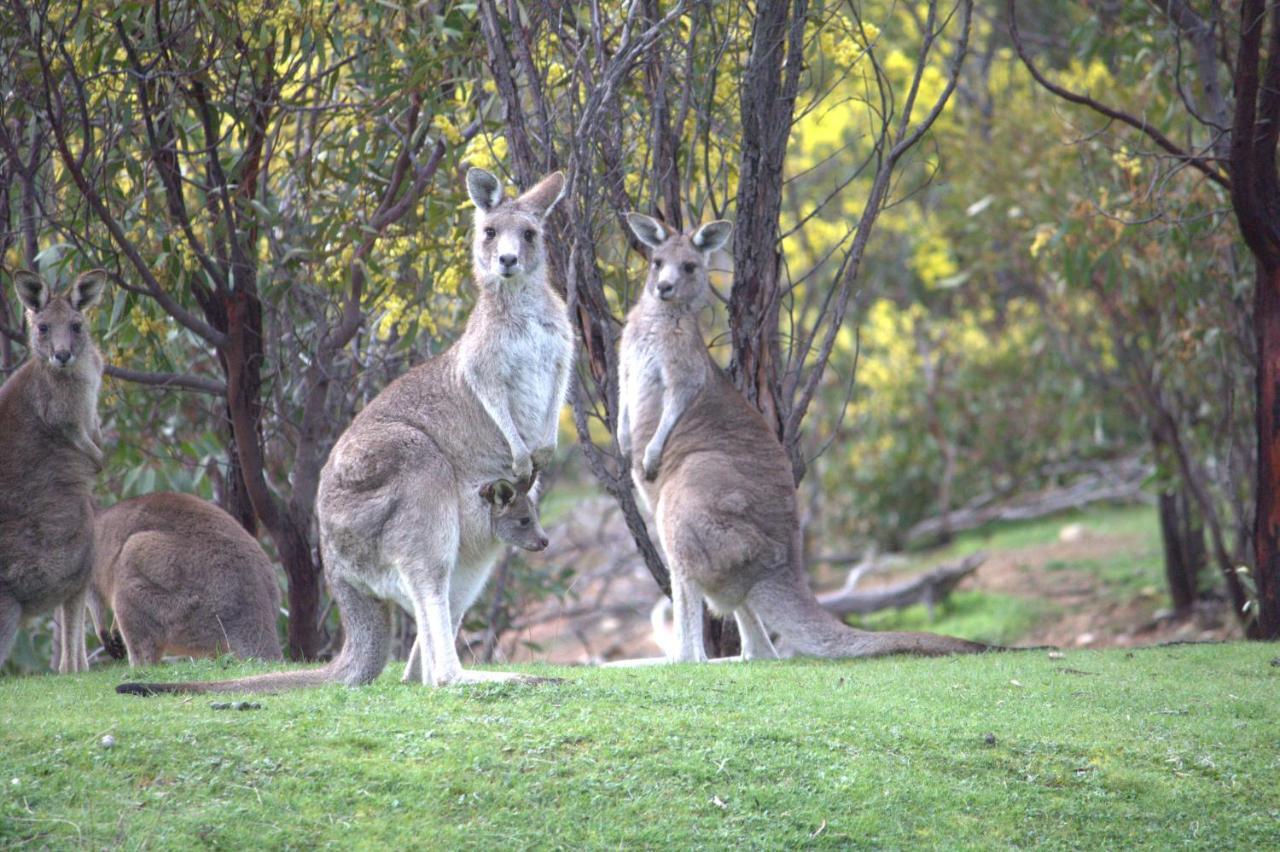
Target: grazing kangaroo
pixel 715 478
pixel 401 516
pixel 182 577
pixel 49 456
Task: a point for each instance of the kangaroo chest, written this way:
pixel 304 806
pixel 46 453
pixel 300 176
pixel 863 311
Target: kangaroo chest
pixel 654 354
pixel 531 357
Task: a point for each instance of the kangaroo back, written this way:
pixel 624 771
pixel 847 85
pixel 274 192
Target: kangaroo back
pixel 184 578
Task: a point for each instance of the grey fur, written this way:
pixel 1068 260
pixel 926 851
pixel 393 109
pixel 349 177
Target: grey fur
pixel 716 479
pixel 182 577
pixel 49 456
pixel 399 506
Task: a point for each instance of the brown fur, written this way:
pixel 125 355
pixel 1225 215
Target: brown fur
pixel 717 480
pixel 49 456
pixel 182 577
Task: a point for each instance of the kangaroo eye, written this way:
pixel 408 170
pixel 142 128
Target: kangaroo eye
pixel 657 264
pixel 43 328
pixel 529 235
pixel 75 327
pixel 524 522
pixel 490 233
pixel 688 268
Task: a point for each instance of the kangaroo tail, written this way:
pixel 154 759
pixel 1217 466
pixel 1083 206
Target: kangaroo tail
pixel 788 606
pixel 367 624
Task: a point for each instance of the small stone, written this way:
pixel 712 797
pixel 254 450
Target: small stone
pixel 108 741
pixel 221 705
pixel 989 739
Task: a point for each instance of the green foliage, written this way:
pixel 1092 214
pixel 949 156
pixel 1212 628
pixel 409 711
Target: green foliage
pixel 1157 748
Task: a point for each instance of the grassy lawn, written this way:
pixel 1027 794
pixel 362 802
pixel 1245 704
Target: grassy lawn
pixel 1158 748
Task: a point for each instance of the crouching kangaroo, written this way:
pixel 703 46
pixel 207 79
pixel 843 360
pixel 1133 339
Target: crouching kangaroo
pixel 399 507
pixel 716 479
pixel 49 456
pixel 182 577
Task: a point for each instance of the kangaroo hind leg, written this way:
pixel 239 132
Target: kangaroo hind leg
pixel 756 644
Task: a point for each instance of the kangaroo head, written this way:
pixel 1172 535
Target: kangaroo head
pixel 56 327
pixel 513 515
pixel 508 241
pixel 678 262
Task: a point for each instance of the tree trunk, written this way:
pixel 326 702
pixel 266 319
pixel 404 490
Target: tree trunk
pixel 243 362
pixel 1267 519
pixel 1178 531
pixel 769 88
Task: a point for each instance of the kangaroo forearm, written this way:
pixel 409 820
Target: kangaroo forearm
pixel 499 411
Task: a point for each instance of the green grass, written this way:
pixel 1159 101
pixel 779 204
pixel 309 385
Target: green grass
pixel 969 614
pixel 1158 748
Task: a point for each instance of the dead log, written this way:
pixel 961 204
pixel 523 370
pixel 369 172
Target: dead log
pixel 1121 485
pixel 929 588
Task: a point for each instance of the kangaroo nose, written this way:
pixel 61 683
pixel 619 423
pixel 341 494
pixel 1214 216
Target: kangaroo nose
pixel 543 541
pixel 665 290
pixel 507 260
pixel 63 356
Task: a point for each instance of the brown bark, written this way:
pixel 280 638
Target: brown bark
pixel 1176 534
pixel 1267 520
pixel 769 87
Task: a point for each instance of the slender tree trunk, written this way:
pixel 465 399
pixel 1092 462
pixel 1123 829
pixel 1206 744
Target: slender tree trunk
pixel 1267 520
pixel 243 358
pixel 1179 572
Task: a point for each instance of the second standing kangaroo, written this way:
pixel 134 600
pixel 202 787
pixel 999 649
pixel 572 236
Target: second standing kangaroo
pixel 401 516
pixel 49 456
pixel 716 479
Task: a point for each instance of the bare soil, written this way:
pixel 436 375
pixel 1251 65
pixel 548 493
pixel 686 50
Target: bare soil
pixel 1091 615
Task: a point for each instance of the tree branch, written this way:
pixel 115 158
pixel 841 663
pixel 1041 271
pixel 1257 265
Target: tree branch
pixel 1196 161
pixel 183 381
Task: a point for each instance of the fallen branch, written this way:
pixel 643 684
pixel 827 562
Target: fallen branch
pixel 929 588
pixel 1123 486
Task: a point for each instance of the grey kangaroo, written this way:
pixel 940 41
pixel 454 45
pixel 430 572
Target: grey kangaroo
pixel 401 516
pixel 715 478
pixel 49 455
pixel 182 577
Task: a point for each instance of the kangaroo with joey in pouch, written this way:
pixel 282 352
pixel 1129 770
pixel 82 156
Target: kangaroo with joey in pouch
pixel 401 516
pixel 715 478
pixel 50 452
pixel 181 577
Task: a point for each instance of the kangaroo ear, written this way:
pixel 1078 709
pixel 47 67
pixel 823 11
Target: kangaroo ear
pixel 484 188
pixel 31 289
pixel 712 235
pixel 647 229
pixel 88 289
pixel 503 493
pixel 545 193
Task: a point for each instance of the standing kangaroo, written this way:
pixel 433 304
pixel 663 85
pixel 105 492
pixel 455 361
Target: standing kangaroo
pixel 715 478
pixel 49 456
pixel 182 577
pixel 401 516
